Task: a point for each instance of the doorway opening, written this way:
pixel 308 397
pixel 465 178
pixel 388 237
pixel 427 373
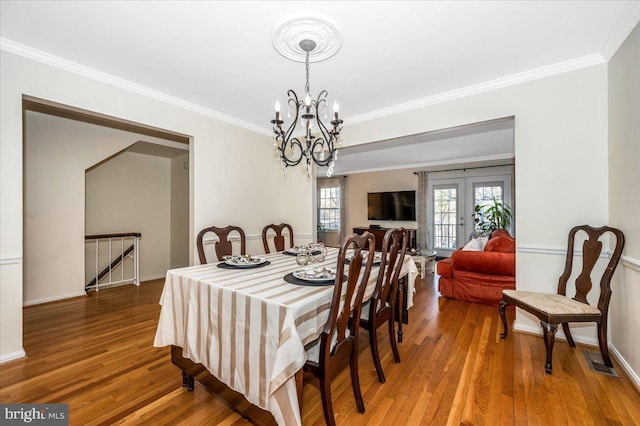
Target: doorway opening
pixel 61 144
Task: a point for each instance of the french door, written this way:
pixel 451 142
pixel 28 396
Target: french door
pixel 451 207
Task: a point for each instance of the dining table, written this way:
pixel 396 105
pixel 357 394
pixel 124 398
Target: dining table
pixel 248 326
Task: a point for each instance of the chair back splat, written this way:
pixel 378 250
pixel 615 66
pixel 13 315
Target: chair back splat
pixel 278 239
pixel 339 337
pixel 223 246
pixel 382 306
pixel 591 250
pixel 555 309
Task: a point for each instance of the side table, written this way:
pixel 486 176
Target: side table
pixel 423 260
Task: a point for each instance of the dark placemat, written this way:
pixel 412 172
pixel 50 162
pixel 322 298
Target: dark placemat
pixel 227 266
pixel 297 281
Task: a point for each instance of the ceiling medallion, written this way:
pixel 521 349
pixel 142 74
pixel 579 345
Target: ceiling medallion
pixel 308 37
pixel 296 27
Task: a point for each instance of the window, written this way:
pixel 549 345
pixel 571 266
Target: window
pixel 484 193
pixel 444 217
pixel 329 210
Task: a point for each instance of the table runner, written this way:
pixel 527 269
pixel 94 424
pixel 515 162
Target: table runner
pixel 249 327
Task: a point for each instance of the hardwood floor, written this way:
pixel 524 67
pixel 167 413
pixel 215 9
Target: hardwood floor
pixel 95 353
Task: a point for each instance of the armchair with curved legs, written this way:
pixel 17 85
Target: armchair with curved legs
pixel 380 309
pixel 555 309
pixel 339 337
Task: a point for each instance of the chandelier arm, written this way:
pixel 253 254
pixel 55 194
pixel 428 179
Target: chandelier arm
pixel 319 161
pixel 295 142
pixel 328 138
pixel 295 103
pixel 284 138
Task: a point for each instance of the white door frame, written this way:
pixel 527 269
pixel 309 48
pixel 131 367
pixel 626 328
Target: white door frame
pixel 459 184
pixel 465 181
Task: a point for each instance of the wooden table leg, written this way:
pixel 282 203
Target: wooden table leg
pixel 299 375
pixel 400 308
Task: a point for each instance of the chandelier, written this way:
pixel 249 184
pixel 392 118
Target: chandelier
pixel 307 137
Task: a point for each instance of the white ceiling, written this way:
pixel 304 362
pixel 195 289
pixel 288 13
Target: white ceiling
pixel 217 57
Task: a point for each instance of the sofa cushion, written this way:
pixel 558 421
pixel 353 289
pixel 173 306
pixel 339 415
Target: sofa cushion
pixel 484 262
pixel 502 244
pixel 476 244
pixel 500 233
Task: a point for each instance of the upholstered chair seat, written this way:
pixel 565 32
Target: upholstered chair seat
pixel 553 304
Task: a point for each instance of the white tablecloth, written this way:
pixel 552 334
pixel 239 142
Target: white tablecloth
pixel 249 327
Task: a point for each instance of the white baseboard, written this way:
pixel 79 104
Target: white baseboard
pixel 153 277
pixel 52 299
pixel 633 376
pixel 13 355
pixel 559 335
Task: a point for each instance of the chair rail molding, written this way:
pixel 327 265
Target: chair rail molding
pixel 626 261
pixel 10 260
pixel 251 237
pixel 556 250
pixel 631 263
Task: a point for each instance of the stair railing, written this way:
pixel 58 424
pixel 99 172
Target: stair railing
pixel 105 277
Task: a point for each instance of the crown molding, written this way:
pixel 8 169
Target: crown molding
pixel 619 34
pixel 487 86
pixel 82 70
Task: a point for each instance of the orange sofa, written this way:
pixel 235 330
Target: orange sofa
pixel 480 276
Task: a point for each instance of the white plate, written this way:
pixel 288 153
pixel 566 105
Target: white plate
pixel 246 262
pixel 315 274
pixel 297 250
pixel 377 257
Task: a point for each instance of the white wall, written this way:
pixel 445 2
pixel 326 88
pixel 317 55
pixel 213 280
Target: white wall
pixel 235 177
pixel 179 211
pixel 132 193
pixel 561 150
pixel 57 152
pixel 624 196
pixel 359 184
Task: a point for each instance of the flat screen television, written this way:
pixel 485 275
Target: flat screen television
pixel 396 205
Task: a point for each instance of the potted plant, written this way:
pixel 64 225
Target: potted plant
pixel 490 217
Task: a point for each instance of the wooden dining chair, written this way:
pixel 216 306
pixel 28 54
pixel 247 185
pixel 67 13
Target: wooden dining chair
pixel 223 246
pixel 339 337
pixel 278 239
pixel 554 309
pixel 381 308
